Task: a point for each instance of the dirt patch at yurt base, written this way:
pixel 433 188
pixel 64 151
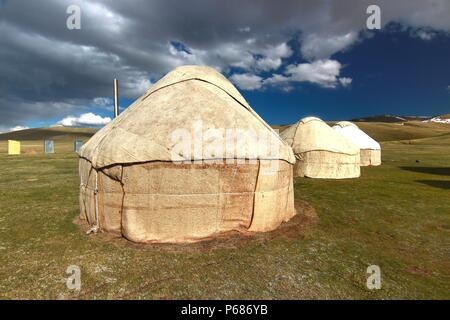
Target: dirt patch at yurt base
pixel 300 226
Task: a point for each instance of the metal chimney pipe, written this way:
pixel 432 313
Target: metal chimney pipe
pixel 116 98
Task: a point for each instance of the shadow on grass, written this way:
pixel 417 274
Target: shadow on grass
pixel 442 171
pixel 298 227
pixel 443 184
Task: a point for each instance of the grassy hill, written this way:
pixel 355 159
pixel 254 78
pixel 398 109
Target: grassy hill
pixel 54 133
pixel 32 140
pixel 403 131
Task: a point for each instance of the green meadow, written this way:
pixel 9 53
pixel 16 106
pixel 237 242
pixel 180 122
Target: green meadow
pixel 396 216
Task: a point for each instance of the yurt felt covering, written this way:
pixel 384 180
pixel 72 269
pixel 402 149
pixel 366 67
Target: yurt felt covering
pixel 370 149
pixel 320 151
pixel 131 186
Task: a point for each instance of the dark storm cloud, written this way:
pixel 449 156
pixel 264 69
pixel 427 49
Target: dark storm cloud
pixel 47 70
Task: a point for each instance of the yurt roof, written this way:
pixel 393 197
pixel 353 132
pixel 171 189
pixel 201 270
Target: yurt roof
pixel 344 124
pixel 312 134
pixel 185 96
pixel 308 119
pixel 356 135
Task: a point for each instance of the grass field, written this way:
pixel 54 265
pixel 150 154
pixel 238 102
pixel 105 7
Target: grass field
pixel 396 216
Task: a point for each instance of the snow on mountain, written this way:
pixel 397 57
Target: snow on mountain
pixel 439 119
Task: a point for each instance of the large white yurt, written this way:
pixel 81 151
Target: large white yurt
pixel 320 151
pixel 137 182
pixel 370 150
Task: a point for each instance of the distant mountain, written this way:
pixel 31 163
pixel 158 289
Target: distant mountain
pixel 55 133
pixel 445 118
pixel 391 118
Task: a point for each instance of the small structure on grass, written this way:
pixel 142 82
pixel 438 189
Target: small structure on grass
pixel 49 146
pixel 320 151
pixel 77 146
pixel 13 147
pixel 370 150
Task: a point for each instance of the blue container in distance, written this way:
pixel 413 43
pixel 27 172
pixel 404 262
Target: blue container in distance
pixel 77 145
pixel 49 146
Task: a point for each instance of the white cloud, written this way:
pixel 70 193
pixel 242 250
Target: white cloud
pixel 424 34
pixel 248 56
pixel 232 55
pixel 267 64
pixel 18 128
pixel 137 86
pixel 345 82
pixel 273 56
pixel 86 119
pixel 244 29
pixel 430 13
pixel 324 73
pixel 276 78
pixel 321 72
pixel 316 46
pixel 279 51
pixel 247 81
pixel 102 101
pixel 224 56
pixel 101 12
pixel 250 41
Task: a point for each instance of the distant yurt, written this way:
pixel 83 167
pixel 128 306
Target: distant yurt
pixel 370 150
pixel 320 151
pixel 136 180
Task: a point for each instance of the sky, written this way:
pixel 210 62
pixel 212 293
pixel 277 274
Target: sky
pixel 289 59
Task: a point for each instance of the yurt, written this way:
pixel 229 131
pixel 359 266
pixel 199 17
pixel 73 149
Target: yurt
pixel 370 150
pixel 320 151
pixel 137 182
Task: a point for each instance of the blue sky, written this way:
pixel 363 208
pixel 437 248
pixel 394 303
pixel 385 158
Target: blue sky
pixel 289 61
